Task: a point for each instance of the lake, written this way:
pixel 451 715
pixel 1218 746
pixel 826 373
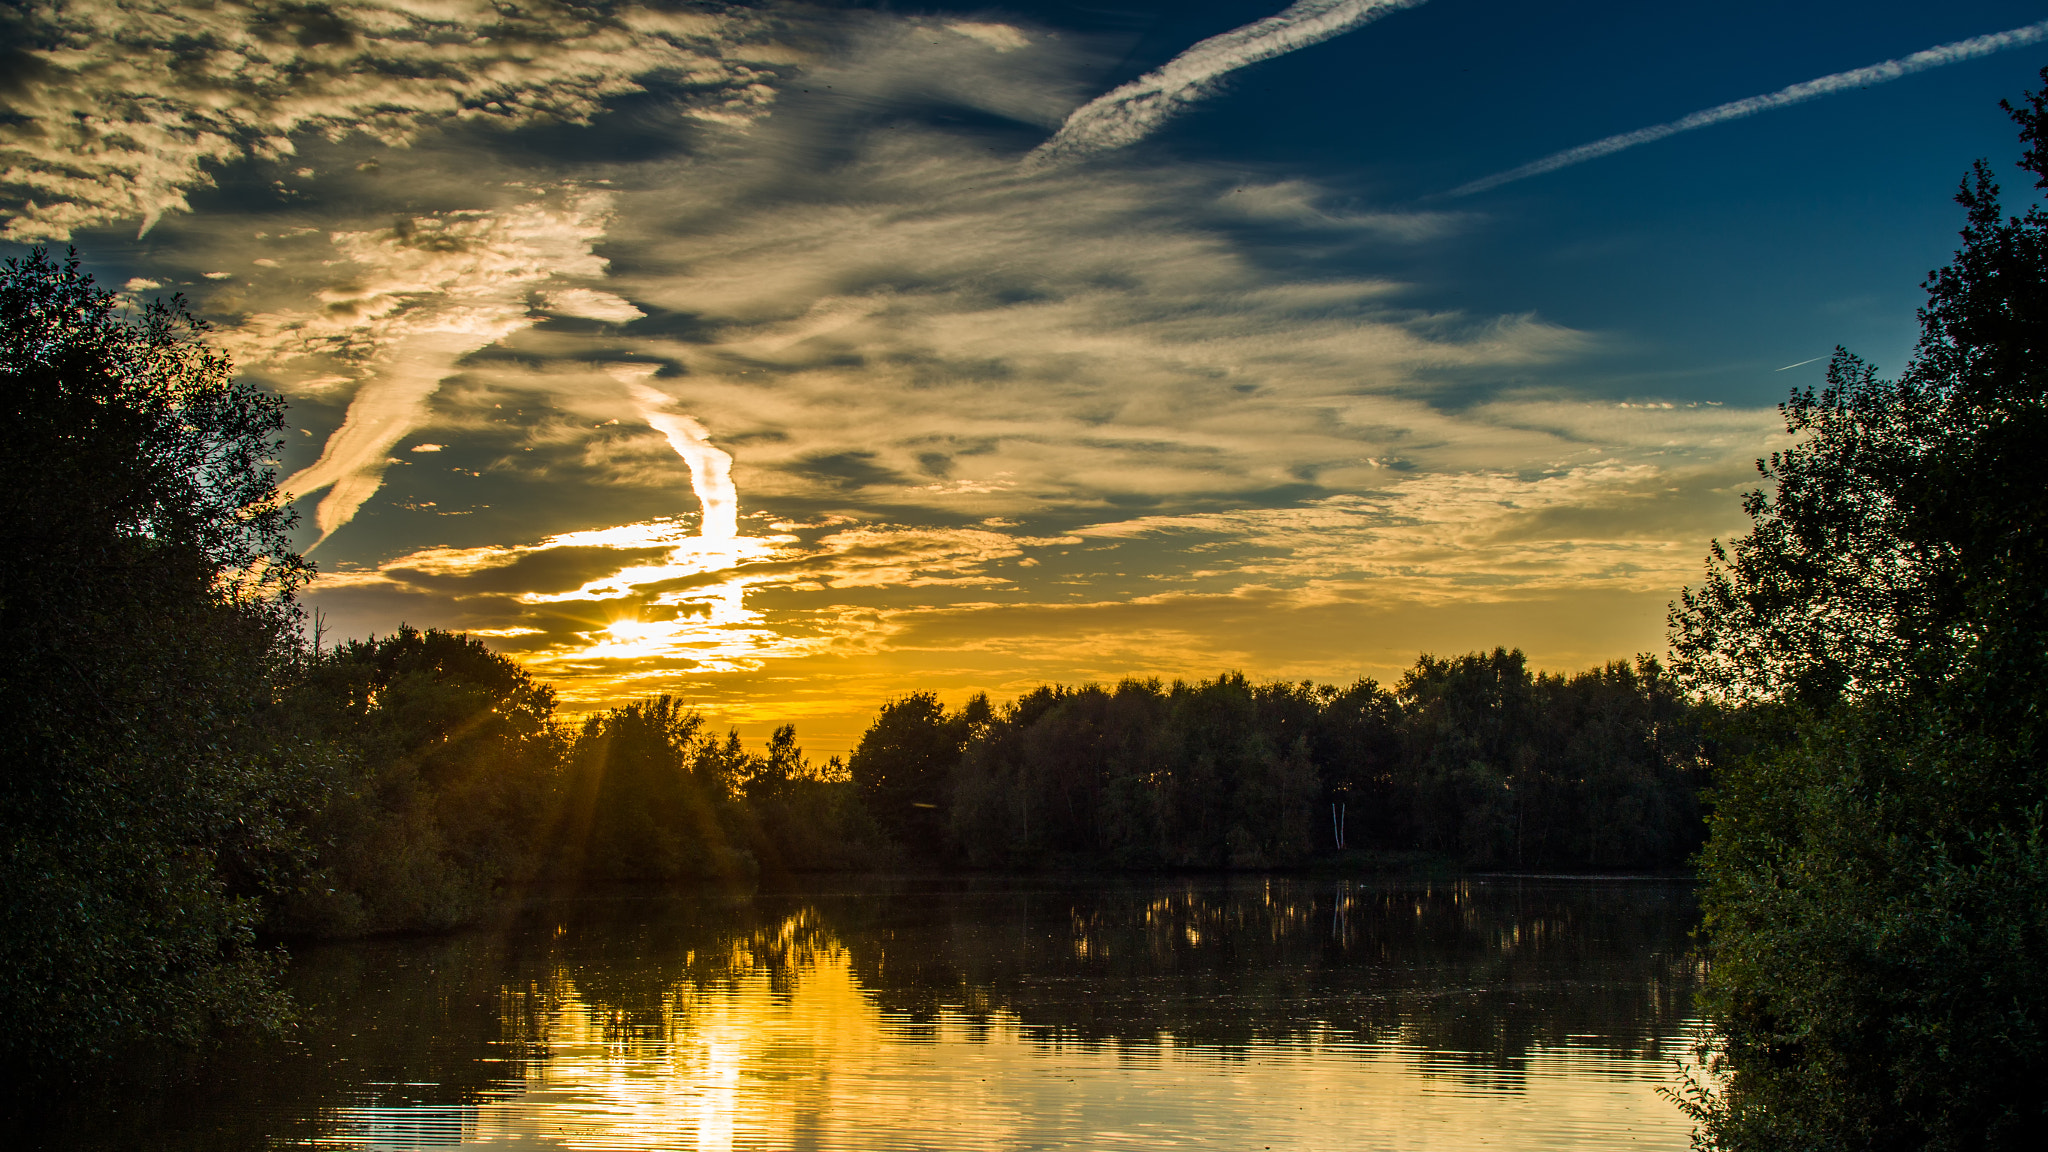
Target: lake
pixel 980 1012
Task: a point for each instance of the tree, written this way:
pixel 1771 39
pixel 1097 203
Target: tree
pixel 450 765
pixel 637 808
pixel 146 617
pixel 801 816
pixel 1878 876
pixel 904 766
pixel 1468 729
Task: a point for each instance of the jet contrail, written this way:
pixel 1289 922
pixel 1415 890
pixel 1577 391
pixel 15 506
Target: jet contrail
pixel 710 468
pixel 1801 364
pixel 1127 114
pixel 1883 73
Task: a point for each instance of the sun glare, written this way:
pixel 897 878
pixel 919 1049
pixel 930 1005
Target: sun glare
pixel 688 611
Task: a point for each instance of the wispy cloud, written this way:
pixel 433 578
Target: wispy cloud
pixel 133 103
pixel 428 291
pixel 1464 536
pixel 1132 111
pixel 1882 73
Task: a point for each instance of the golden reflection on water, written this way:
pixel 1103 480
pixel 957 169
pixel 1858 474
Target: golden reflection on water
pixel 798 1054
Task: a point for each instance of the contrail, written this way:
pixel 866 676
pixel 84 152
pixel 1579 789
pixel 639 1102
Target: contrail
pixel 1883 73
pixel 1801 364
pixel 1129 113
pixel 710 468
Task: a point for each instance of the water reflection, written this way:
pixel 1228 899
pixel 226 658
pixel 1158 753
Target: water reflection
pixel 979 1013
pixel 402 1126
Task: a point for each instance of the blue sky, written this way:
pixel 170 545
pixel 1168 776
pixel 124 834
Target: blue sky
pixel 1251 391
pixel 1710 258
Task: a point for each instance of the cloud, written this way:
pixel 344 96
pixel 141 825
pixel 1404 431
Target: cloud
pixel 604 611
pixel 1000 37
pixel 918 323
pixel 1130 417
pixel 1881 73
pixel 710 468
pixel 1077 338
pixel 1294 202
pixel 130 104
pixel 428 291
pixel 1132 111
pixel 1462 537
pixel 587 304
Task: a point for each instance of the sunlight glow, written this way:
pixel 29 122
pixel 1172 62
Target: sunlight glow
pixel 784 1047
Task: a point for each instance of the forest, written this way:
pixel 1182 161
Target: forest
pixel 1474 760
pixel 443 784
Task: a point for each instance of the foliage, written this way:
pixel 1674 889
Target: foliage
pixel 649 795
pixel 1600 769
pixel 1878 896
pixel 635 809
pixel 1473 758
pixel 145 584
pixel 804 818
pixel 449 774
pixel 904 764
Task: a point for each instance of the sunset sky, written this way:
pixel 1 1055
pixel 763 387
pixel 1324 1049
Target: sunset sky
pixel 786 357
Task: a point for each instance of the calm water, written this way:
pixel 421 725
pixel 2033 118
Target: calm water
pixel 1241 1013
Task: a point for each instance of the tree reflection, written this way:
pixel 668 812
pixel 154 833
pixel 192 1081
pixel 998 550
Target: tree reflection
pixel 1486 970
pixel 403 1039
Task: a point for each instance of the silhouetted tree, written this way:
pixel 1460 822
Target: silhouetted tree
pixel 635 810
pixel 145 621
pixel 904 767
pixel 1878 899
pixel 806 817
pixel 1357 745
pixel 451 766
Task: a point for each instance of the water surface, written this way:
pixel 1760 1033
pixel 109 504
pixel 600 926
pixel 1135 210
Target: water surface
pixel 978 1013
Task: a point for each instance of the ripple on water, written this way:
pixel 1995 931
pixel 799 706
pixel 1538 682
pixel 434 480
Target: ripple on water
pixel 989 1014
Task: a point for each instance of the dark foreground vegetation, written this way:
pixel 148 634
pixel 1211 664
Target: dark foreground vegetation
pixel 1877 901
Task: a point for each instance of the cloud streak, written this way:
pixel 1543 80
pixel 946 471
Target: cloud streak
pixel 710 467
pixel 1882 73
pixel 1133 111
pixel 431 290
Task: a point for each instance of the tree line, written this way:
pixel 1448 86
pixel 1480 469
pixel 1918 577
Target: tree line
pixel 441 781
pixel 1474 759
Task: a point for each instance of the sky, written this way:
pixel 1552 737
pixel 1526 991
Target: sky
pixel 791 357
